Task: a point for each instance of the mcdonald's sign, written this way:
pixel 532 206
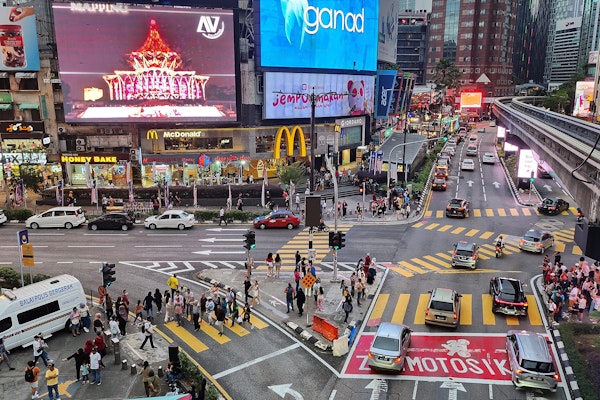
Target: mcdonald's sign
pixel 290 137
pixel 152 134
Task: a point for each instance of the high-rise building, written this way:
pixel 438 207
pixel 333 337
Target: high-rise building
pixel 562 62
pixel 412 44
pixel 477 37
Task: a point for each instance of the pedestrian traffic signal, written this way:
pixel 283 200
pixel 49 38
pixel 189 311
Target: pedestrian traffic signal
pixel 342 239
pixel 108 270
pixel 331 238
pixel 336 241
pixel 250 241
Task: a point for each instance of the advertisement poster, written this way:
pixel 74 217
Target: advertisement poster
pixel 584 95
pixel 143 64
pixel 385 85
pixel 322 34
pixel 387 38
pixel 18 39
pixel 288 95
pixel 470 100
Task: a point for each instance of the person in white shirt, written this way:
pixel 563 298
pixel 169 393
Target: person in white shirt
pixel 95 363
pixel 39 350
pixel 148 332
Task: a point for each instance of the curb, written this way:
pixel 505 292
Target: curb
pixel 560 348
pixel 513 187
pixel 309 337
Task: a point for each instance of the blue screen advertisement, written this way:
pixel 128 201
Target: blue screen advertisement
pixel 321 34
pixel 385 85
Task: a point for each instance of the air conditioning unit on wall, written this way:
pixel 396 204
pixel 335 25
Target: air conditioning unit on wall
pixel 79 148
pixel 62 129
pixel 80 142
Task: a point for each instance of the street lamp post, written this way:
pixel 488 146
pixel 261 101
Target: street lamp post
pixel 8 205
pixel 403 144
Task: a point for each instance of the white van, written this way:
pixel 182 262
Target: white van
pixel 57 217
pixel 40 307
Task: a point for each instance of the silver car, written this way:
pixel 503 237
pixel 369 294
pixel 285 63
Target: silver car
pixel 536 241
pixel 530 360
pixel 178 219
pixel 389 348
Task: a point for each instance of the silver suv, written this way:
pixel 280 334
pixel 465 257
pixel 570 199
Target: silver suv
pixel 465 254
pixel 530 360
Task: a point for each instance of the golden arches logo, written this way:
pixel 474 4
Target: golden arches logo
pixel 290 137
pixel 152 134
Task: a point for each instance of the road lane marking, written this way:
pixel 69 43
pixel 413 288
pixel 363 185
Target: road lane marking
pixel 559 246
pixel 439 214
pixel 477 212
pixel 472 232
pixel 255 361
pixel 411 267
pixel 514 212
pixel 432 226
pixel 489 318
pixel 419 224
pixel 501 212
pixel 533 312
pixel 444 228
pixel 576 250
pixel 466 309
pixel 458 230
pixel 489 212
pixel 421 307
pixel 486 235
pixel 425 263
pixel 526 211
pixel 91 246
pixel 165 246
pixel 400 309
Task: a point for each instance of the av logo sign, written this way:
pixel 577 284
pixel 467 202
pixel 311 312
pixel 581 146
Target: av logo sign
pixel 211 27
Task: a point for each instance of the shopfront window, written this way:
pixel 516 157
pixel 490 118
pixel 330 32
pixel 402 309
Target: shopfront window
pixel 106 175
pixel 266 144
pixel 198 143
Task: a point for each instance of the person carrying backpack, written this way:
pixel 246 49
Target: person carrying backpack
pixel 31 376
pixel 347 306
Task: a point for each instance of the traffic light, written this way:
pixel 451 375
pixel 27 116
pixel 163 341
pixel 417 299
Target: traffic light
pixel 108 270
pixel 336 241
pixel 250 241
pixel 342 236
pixel 331 234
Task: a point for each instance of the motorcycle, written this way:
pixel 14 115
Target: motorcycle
pixel 499 250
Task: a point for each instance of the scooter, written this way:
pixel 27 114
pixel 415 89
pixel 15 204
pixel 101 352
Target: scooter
pixel 499 250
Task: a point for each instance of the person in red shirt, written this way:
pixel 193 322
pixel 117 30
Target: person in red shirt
pixel 100 344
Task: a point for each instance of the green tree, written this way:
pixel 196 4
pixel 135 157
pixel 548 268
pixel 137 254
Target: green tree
pixel 445 76
pixel 561 100
pixel 292 173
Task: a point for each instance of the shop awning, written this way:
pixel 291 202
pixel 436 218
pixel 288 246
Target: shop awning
pixel 5 107
pixel 26 75
pixel 29 106
pixel 3 74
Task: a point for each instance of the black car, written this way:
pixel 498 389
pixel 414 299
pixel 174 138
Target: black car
pixel 543 173
pixel 508 296
pixel 553 206
pixel 438 184
pixel 120 221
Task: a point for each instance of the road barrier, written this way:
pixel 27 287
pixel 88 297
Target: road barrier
pixel 325 328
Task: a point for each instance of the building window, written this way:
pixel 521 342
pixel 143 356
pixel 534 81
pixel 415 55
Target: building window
pixel 4 84
pixel 7 115
pixel 480 36
pixel 28 84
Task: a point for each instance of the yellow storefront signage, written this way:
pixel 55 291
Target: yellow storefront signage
pixel 290 137
pixel 90 159
pixel 152 134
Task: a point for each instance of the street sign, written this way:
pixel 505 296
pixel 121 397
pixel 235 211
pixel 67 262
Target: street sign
pixel 308 280
pixel 330 140
pixel 27 255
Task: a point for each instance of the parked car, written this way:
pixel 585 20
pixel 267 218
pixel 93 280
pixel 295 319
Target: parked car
pixel 389 347
pixel 536 241
pixel 465 254
pixel 443 308
pixel 467 165
pixel 3 218
pixel 543 173
pixel 508 296
pixel 530 360
pixel 457 208
pixel 170 219
pixel 120 221
pixel 552 206
pixel 488 158
pixel 439 184
pixel 277 219
pixel 57 217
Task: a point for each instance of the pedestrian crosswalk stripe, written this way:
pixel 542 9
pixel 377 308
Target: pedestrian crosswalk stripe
pixel 489 318
pixel 446 256
pixel 458 230
pixel 559 246
pixel 426 264
pixel 466 309
pixel 489 212
pixel 472 232
pixel 526 212
pixel 428 214
pixel 401 271
pixel 195 344
pixel 432 226
pixel 439 214
pixel 477 212
pixel 512 320
pixel 419 224
pixel 533 312
pixel 577 251
pixel 484 250
pixel 412 267
pixel 514 212
pixel 214 333
pixel 444 228
pixel 378 309
pixel 486 235
pixel 501 212
pixel 237 329
pixel 400 309
pixel 421 307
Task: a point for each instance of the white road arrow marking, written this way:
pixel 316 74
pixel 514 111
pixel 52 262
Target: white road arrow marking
pixel 225 229
pixel 496 185
pixel 214 239
pixel 377 386
pixel 548 188
pixel 210 252
pixel 470 183
pixel 282 390
pixel 453 387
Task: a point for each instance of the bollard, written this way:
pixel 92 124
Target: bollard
pixel 174 352
pixel 161 373
pixel 124 365
pixel 116 350
pixel 133 369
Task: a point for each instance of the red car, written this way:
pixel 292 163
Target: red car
pixel 277 219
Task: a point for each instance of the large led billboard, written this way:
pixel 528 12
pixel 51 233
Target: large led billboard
pixel 527 167
pixel 322 34
pixel 387 38
pixel 136 64
pixel 290 95
pixel 470 100
pixel 584 96
pixel 18 39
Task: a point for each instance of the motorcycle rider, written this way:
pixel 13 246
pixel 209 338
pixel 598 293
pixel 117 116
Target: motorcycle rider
pixel 499 244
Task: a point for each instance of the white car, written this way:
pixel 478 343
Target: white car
pixel 170 219
pixel 488 158
pixel 2 217
pixel 57 217
pixel 467 165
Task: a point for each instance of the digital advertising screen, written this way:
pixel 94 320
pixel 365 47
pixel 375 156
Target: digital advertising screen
pixel 470 100
pixel 18 39
pixel 584 96
pixel 137 64
pixel 527 167
pixel 320 34
pixel 288 95
pixel 385 85
pixel 387 38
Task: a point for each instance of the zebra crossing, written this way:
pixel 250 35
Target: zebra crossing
pixel 498 212
pixel 476 309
